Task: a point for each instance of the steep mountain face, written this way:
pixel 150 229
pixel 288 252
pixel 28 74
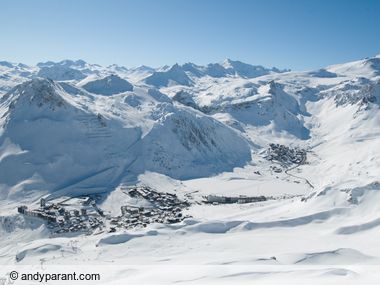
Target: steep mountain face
pixel 174 76
pixel 61 143
pixel 82 143
pixel 108 85
pixel 198 142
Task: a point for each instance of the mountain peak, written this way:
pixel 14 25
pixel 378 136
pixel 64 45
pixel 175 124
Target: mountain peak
pixel 175 68
pixel 142 68
pixel 174 75
pixel 6 64
pixel 109 85
pixel 39 92
pixel 228 63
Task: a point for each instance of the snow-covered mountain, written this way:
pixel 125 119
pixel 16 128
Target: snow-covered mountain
pixel 173 76
pixel 187 73
pixel 225 129
pixel 245 70
pixel 12 74
pixel 109 85
pixel 62 141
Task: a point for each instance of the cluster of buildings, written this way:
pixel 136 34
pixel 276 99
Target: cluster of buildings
pixel 61 220
pixel 215 200
pixel 286 156
pixel 86 216
pixel 160 200
pixel 83 215
pixel 135 217
pixel 163 208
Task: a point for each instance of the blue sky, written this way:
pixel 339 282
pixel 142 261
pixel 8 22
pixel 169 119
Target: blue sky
pixel 296 34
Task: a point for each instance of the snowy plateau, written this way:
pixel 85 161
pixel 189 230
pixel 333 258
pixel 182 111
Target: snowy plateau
pixel 227 173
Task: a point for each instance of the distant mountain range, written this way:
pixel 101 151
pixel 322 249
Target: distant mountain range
pixel 177 74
